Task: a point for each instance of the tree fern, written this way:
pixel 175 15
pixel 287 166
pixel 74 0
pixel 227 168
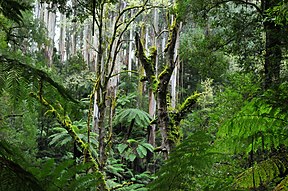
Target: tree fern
pixel 66 176
pixel 125 117
pixel 260 127
pixel 15 71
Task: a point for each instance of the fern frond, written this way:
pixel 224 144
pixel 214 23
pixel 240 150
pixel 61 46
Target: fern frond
pixel 14 177
pixel 13 172
pixel 125 116
pixel 13 9
pixel 283 185
pixel 190 157
pixel 263 172
pixel 258 123
pixel 29 73
pixel 59 138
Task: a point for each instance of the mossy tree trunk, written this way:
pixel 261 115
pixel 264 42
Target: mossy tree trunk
pixel 109 43
pixel 273 52
pixel 167 122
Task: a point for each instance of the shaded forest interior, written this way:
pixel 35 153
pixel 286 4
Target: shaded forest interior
pixel 140 95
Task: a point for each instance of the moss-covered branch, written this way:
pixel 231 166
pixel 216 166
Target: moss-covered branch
pixel 187 105
pixel 174 133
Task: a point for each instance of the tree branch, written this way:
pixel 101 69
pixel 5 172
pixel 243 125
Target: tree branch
pixel 258 9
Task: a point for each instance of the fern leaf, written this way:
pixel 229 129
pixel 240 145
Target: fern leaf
pixel 283 185
pixel 190 157
pixel 85 181
pixel 65 141
pixel 142 118
pixel 257 119
pixel 29 72
pixel 142 151
pixel 262 173
pixel 57 138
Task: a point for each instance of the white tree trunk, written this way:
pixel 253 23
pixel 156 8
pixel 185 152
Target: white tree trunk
pixel 49 19
pixel 174 77
pixel 62 38
pixel 131 52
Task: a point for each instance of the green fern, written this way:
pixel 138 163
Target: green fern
pixel 283 185
pixel 15 72
pixel 189 158
pixel 258 125
pixel 13 9
pixel 126 116
pixel 13 170
pixel 61 137
pixel 66 176
pixel 263 173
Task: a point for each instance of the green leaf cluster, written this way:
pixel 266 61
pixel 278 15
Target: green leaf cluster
pixel 127 116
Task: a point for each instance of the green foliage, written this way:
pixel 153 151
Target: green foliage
pixel 283 185
pixel 133 148
pixel 126 116
pixel 202 59
pixel 15 70
pixel 13 170
pixel 12 9
pixel 60 137
pixel 66 175
pixel 258 125
pixel 278 14
pixel 263 173
pixel 186 161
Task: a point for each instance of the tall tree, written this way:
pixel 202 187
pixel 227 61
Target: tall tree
pixel 167 122
pixel 237 32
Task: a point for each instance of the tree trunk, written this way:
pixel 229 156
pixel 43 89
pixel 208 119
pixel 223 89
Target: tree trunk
pixel 49 19
pixel 175 74
pixel 62 38
pixel 273 54
pixel 159 84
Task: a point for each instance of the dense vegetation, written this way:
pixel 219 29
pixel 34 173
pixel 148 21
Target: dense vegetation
pixel 143 95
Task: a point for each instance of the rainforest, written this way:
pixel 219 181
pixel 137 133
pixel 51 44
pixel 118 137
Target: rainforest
pixel 143 95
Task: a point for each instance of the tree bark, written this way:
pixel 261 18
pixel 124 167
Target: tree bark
pixel 273 53
pixel 159 84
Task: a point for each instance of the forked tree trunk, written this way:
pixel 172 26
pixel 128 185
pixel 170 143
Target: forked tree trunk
pixel 159 83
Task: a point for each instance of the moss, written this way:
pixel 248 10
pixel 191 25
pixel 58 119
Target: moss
pixel 172 27
pixel 174 134
pixel 191 100
pixel 164 72
pixel 155 84
pixel 174 131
